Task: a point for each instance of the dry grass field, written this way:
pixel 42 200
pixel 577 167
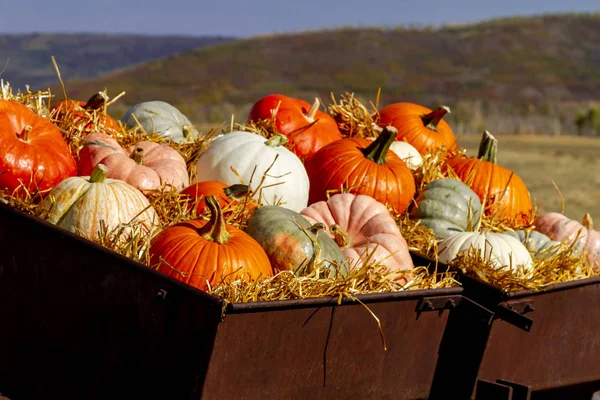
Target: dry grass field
pixel 573 163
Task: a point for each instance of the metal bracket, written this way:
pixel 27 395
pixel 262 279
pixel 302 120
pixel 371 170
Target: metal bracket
pixel 514 313
pixel 438 303
pixel 501 390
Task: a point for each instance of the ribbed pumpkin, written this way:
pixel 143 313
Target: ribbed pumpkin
pixel 363 228
pixel 161 118
pixel 225 194
pixel 32 152
pixel 562 228
pixel 86 205
pixel 536 242
pixel 447 206
pixel 293 243
pixel 307 128
pixel 363 167
pixel 145 165
pixel 204 254
pixel 423 128
pixel 88 117
pixel 504 192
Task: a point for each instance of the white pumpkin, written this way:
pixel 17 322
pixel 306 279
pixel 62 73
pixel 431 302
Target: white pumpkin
pixel 407 152
pixel 245 151
pixel 503 250
pixel 80 204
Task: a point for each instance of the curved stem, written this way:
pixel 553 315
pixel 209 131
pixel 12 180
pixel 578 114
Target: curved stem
pixel 97 102
pixel 216 229
pixel 377 151
pixel 340 236
pixel 187 131
pixel 99 174
pixel 137 155
pixel 276 140
pixel 587 222
pixel 237 191
pixel 488 148
pixel 25 134
pixel 432 119
pixel 310 116
pixel 315 228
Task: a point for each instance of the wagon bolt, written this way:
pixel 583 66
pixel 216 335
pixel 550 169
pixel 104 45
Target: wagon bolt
pixel 428 306
pixel 450 304
pixel 528 308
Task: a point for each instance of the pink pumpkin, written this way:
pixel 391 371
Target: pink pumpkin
pixel 561 228
pixel 145 165
pixel 362 226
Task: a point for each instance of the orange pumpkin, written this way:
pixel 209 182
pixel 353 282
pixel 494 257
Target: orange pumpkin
pixel 204 254
pixel 224 193
pixel 364 167
pixel 504 192
pixel 88 116
pixel 421 127
pixel 33 154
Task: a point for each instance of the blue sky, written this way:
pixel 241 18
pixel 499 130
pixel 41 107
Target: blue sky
pixel 254 17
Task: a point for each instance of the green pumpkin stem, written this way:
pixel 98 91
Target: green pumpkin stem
pixel 341 237
pixel 216 229
pixel 432 119
pixel 276 140
pixel 24 135
pixel 310 116
pixel 488 147
pixel 377 151
pixel 588 222
pixel 137 155
pixel 237 191
pixel 99 174
pixel 97 102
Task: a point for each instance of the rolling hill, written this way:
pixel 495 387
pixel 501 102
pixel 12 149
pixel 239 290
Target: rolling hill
pixel 540 69
pixel 26 59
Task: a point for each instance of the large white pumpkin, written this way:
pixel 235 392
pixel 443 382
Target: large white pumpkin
pixel 503 250
pixel 245 151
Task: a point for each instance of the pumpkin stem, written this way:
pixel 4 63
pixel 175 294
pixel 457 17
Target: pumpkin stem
pixel 488 147
pixel 99 174
pixel 276 140
pixel 587 223
pixel 97 102
pixel 340 236
pixel 216 229
pixel 315 228
pixel 432 119
pixel 187 131
pixel 310 116
pixel 24 135
pixel 377 151
pixel 237 191
pixel 137 155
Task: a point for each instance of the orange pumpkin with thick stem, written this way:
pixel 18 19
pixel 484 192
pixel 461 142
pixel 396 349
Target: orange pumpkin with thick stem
pixel 502 191
pixel 88 116
pixel 33 154
pixel 204 254
pixel 224 193
pixel 362 167
pixel 421 127
pixel 307 128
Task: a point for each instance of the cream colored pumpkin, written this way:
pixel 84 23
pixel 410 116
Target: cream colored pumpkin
pixel 251 155
pixel 81 204
pixel 362 226
pixel 407 153
pixel 503 250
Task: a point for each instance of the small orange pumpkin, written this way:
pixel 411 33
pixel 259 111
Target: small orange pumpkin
pixel 88 116
pixel 204 254
pixel 225 194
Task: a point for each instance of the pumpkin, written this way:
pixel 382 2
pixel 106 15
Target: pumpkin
pixel 502 250
pixel 204 254
pixel 33 154
pixel 536 242
pixel 582 235
pixel 225 194
pixel 447 206
pixel 363 167
pixel 88 205
pixel 407 153
pixel 307 128
pixel 503 191
pixel 363 228
pixel 88 117
pixel 145 165
pixel 421 127
pixel 293 243
pixel 251 155
pixel 161 118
